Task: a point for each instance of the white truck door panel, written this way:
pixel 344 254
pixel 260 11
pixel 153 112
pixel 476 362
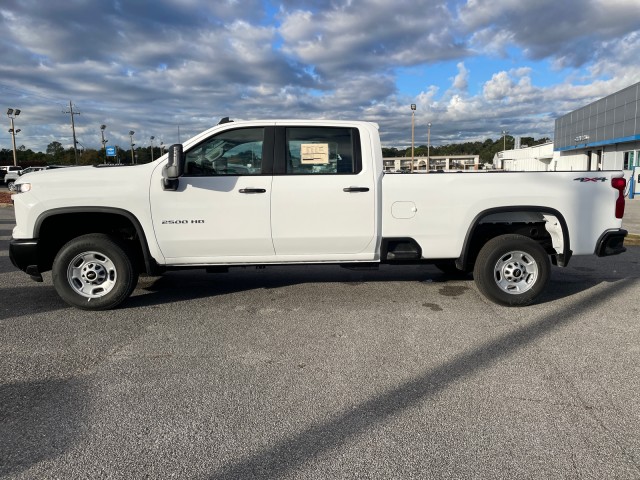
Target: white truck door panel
pixel 221 210
pixel 313 215
pixel 323 200
pixel 212 217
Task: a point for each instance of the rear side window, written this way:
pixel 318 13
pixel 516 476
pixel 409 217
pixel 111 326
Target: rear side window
pixel 322 150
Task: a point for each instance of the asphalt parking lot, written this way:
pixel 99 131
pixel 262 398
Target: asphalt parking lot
pixel 316 373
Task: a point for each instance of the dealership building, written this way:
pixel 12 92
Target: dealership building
pixel 603 135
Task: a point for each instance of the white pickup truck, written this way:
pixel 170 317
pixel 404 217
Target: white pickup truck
pixel 304 192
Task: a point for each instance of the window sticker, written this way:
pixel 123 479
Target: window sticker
pixel 314 153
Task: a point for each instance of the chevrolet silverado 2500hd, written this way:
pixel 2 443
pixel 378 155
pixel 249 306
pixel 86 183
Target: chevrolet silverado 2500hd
pixel 304 192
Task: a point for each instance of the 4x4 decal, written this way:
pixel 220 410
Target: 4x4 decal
pixel 590 179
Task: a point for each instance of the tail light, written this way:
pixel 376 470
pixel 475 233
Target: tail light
pixel 619 184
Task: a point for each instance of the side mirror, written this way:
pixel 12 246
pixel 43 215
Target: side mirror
pixel 174 167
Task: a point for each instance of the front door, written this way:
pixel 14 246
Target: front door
pixel 222 206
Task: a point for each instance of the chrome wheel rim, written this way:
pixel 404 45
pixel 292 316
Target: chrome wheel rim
pixel 92 274
pixel 515 272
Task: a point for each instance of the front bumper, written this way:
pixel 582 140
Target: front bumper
pixel 24 255
pixel 611 243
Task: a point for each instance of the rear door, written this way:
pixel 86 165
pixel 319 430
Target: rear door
pixel 323 198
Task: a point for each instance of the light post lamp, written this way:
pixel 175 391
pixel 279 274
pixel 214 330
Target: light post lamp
pixel 152 137
pixel 413 116
pixel 13 113
pixel 104 142
pixel 428 147
pixel 131 132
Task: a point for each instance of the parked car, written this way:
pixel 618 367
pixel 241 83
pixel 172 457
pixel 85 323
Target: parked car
pixel 11 177
pixel 4 169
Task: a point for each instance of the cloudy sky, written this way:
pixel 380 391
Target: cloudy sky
pixel 472 67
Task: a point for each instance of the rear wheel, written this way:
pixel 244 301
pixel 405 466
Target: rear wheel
pixel 512 270
pixel 94 272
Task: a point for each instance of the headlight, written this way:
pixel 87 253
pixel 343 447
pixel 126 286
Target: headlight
pixel 23 187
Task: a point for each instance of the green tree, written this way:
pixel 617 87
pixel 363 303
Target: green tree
pixel 90 156
pixel 6 156
pixel 386 152
pixel 55 151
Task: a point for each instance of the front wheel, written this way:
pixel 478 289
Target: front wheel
pixel 94 272
pixel 512 270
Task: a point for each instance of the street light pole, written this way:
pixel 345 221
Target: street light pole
pixel 413 115
pixel 11 113
pixel 131 132
pixel 152 137
pixel 428 147
pixel 104 142
pixel 504 134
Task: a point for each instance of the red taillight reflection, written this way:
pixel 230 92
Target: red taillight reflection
pixel 619 184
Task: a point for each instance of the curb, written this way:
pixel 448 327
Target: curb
pixel 632 240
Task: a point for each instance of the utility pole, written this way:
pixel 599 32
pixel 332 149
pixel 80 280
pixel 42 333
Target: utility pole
pixel 73 129
pixel 413 115
pixel 429 147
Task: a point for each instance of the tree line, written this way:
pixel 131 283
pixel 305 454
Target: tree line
pixel 486 149
pixel 56 154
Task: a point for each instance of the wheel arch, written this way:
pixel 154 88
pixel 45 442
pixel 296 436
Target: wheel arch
pixel 471 248
pixel 57 226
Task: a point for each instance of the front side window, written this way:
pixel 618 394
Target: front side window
pixel 322 150
pixel 234 152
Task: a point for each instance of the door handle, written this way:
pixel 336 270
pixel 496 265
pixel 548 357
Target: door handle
pixel 252 190
pixel 355 189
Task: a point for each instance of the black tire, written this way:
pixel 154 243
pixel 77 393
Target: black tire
pixel 512 270
pixel 94 272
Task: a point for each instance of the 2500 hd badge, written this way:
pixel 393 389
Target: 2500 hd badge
pixel 180 222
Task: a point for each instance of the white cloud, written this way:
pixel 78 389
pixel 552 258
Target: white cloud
pixel 571 31
pixel 367 34
pixel 513 86
pixel 461 82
